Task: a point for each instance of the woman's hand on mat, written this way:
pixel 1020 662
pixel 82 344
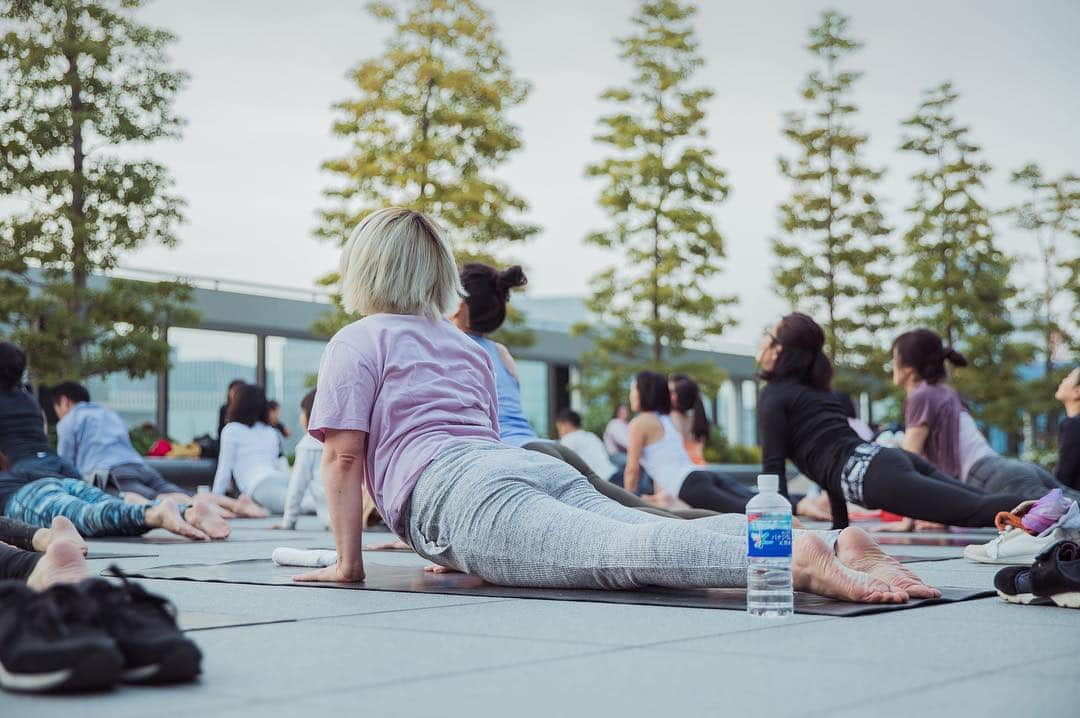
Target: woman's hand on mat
pixel 334 574
pixel 398 545
pixel 436 568
pixel 901 526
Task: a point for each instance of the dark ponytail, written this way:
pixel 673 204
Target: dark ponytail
pixel 12 366
pixel 688 399
pixel 487 291
pixel 802 356
pixel 923 351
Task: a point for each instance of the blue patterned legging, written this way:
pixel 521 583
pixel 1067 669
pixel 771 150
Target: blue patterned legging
pixel 93 512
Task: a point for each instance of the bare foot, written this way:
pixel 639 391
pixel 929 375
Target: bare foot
pixel 63 562
pixel 436 568
pixel 858 550
pixel 207 518
pixel 809 508
pixel 166 515
pixel 245 506
pixel 894 527
pixel 816 569
pixel 62 530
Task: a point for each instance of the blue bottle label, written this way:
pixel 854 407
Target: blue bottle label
pixel 768 535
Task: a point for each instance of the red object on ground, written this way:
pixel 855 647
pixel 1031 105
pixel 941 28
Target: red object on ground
pixel 886 517
pixel 161 447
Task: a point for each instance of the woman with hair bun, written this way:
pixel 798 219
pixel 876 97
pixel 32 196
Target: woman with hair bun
pixel 940 428
pixel 802 419
pixel 482 311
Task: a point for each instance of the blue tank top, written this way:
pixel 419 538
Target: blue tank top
pixel 514 428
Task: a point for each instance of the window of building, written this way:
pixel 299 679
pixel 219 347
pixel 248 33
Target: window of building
pixel 291 366
pixel 135 400
pixel 727 411
pixel 203 364
pixel 748 430
pixel 533 376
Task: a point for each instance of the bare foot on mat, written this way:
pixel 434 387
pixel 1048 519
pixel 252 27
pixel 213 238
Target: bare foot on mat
pixel 62 530
pixel 207 518
pixel 63 562
pixel 166 515
pixel 857 549
pixel 816 569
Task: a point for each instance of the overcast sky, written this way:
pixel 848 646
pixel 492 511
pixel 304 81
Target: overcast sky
pixel 264 76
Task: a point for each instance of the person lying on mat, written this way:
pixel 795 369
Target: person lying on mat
pixel 94 439
pixel 251 450
pixel 407 405
pixel 97 514
pixel 802 419
pixel 658 447
pixel 483 311
pixel 305 483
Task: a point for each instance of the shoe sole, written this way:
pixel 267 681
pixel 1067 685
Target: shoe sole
pixel 96 670
pixel 180 665
pixel 1064 600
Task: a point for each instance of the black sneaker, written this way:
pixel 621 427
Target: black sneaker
pixel 50 642
pixel 144 628
pixel 1054 577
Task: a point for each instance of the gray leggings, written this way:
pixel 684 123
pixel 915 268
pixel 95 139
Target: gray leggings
pixel 270 493
pixel 521 518
pixel 999 474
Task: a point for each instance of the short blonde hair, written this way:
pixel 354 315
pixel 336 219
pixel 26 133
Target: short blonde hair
pixel 398 262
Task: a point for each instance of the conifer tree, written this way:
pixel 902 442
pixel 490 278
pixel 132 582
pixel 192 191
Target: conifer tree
pixel 427 129
pixel 1050 215
pixel 833 254
pixel 82 84
pixel 957 280
pixel 661 187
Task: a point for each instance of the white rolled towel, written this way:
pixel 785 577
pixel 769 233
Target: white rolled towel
pixel 313 558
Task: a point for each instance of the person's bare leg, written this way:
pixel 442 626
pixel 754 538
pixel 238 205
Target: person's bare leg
pixel 63 562
pixel 244 506
pixel 62 530
pixel 816 569
pixel 166 515
pixel 207 518
pixel 858 550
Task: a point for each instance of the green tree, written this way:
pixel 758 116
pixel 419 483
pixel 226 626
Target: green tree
pixel 957 280
pixel 833 254
pixel 82 85
pixel 661 185
pixel 427 129
pixel 1050 215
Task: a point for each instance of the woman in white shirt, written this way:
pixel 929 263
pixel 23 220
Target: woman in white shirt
pixel 306 481
pixel 250 448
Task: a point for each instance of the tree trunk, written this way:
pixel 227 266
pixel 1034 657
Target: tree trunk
pixel 80 269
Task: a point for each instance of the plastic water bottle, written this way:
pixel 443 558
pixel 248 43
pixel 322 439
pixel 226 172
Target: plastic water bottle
pixel 768 551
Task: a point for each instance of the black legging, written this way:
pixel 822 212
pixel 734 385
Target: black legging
pixel 610 490
pixel 17 557
pixel 723 494
pixel 903 483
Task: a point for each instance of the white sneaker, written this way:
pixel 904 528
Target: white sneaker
pixel 1017 546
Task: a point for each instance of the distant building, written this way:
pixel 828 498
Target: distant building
pixel 262 334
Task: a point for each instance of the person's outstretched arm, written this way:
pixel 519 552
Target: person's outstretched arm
pixel 343 477
pixel 634 451
pixel 226 459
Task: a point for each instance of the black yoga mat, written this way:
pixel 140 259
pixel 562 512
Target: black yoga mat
pixel 915 539
pixel 410 579
pixel 117 554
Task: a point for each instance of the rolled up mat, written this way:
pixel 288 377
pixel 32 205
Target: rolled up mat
pixel 413 579
pixel 309 558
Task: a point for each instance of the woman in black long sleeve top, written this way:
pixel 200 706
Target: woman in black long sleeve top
pixel 802 420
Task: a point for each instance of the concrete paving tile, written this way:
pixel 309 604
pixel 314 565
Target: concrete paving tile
pixel 123 702
pixel 980 695
pixel 600 624
pixel 635 682
pixel 905 639
pixel 292 660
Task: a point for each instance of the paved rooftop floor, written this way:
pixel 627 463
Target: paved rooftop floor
pixel 307 651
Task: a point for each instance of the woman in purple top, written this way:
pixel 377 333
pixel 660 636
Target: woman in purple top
pixel 940 428
pixel 406 405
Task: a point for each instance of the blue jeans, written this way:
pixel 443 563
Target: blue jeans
pixel 93 512
pixel 44 466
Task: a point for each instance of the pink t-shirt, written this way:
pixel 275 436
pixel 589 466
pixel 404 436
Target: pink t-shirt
pixel 416 386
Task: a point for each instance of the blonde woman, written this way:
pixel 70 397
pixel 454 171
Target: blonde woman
pixel 406 404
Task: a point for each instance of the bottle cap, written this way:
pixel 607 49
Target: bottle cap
pixel 768 482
